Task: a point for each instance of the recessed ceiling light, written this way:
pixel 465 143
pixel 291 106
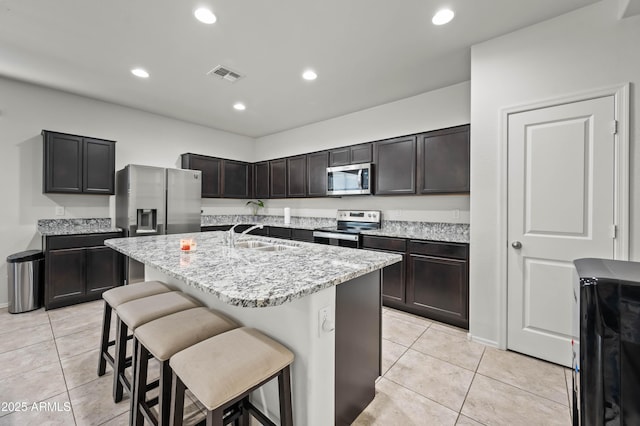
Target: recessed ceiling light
pixel 139 72
pixel 239 106
pixel 442 17
pixel 205 16
pixel 309 75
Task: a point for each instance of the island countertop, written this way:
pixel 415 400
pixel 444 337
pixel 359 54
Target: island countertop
pixel 250 277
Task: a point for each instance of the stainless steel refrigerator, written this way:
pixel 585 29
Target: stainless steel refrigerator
pixel 154 201
pixel 606 356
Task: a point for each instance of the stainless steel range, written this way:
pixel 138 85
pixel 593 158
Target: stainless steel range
pixel 349 225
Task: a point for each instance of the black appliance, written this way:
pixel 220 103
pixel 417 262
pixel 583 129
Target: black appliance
pixel 347 231
pixel 606 347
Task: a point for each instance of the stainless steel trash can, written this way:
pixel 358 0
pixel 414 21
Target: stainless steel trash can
pixel 26 275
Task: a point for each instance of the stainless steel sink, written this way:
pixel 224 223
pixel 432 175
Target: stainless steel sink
pixel 252 244
pixel 276 247
pixel 262 245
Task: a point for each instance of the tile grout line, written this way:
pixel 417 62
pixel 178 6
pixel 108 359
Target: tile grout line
pixel 475 373
pixel 523 390
pixel 64 377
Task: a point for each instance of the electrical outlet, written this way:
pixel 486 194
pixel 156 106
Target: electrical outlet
pixel 456 214
pixel 326 323
pixel 59 210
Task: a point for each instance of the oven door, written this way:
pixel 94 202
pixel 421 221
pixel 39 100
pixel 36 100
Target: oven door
pixel 336 239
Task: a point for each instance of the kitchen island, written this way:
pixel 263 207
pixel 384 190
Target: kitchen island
pixel 322 302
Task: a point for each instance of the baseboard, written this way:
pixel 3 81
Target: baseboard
pixel 486 342
pixel 4 305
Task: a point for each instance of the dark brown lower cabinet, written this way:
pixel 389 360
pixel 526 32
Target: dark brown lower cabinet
pixel 432 280
pixel 79 268
pixel 438 281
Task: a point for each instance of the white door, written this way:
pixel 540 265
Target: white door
pixel 561 207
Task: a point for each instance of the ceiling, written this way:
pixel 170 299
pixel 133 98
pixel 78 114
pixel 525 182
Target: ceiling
pixel 365 52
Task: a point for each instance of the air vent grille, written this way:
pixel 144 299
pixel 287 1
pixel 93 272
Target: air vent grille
pixel 225 73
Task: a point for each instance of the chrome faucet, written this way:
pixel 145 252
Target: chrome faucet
pixel 232 241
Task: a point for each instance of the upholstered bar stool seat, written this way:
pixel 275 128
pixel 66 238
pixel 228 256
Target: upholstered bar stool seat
pixel 133 314
pixel 222 371
pixel 114 298
pixel 163 338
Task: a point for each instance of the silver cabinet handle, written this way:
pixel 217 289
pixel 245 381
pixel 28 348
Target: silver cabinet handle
pixel 516 245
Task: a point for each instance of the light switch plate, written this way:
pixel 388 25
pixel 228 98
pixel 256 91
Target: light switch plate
pixel 59 210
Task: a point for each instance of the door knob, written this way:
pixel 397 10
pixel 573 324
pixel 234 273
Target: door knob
pixel 516 245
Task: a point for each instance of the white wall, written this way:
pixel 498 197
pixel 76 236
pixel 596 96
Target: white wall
pixel 141 137
pixel 580 51
pixel 437 109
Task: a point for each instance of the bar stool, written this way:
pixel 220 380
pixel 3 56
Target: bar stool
pixel 114 298
pixel 222 372
pixel 163 338
pixel 133 314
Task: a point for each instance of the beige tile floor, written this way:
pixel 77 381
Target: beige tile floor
pixel 432 376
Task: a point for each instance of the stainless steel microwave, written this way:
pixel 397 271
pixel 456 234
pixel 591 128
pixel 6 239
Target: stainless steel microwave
pixel 356 179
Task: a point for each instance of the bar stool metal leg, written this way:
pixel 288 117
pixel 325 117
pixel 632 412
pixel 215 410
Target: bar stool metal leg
pixel 284 389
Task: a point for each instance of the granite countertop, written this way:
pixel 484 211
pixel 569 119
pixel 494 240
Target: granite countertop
pixel 433 231
pixel 297 222
pixel 251 277
pixel 52 227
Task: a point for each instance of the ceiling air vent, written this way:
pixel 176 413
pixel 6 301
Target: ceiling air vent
pixel 225 73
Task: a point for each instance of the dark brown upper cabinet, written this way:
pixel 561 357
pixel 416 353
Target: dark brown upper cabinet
pixel 78 164
pixel 317 174
pixel 395 166
pixel 261 180
pixel 278 178
pixel 211 168
pixel 443 161
pixel 354 154
pixel 297 176
pixel 221 177
pixel 236 179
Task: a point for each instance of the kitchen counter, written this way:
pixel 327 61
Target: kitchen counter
pixel 251 277
pixel 433 231
pixel 322 302
pixel 52 227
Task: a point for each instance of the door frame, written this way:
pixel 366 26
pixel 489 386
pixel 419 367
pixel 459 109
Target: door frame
pixel 621 191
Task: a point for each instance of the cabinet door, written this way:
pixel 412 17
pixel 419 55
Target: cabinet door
pixel 393 280
pixel 211 168
pixel 278 178
pixel 443 161
pixel 340 156
pixel 395 168
pixel 62 163
pixel 302 235
pixel 261 180
pixel 104 269
pixel 236 179
pixel 438 287
pixel 297 176
pixel 279 232
pixel 65 276
pixel 317 174
pixel 99 166
pixel 361 153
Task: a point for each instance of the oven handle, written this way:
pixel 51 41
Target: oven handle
pixel 360 178
pixel 332 236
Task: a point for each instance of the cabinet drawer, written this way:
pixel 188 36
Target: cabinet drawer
pixel 277 232
pixel 384 243
pixel 434 248
pixel 77 241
